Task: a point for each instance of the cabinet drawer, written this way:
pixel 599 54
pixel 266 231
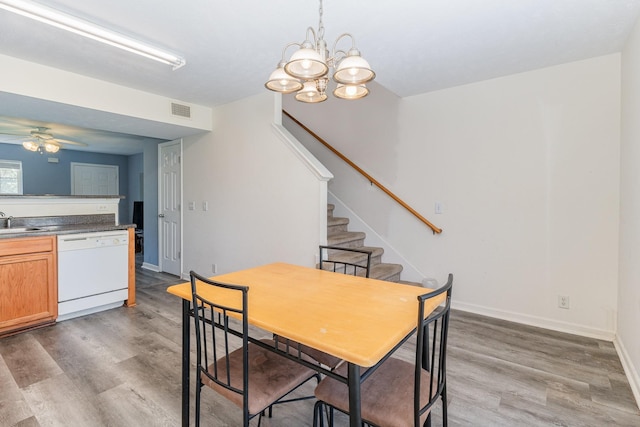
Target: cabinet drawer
pixel 27 245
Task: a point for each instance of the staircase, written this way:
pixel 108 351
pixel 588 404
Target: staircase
pixel 339 235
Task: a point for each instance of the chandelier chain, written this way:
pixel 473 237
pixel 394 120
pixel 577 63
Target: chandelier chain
pixel 320 24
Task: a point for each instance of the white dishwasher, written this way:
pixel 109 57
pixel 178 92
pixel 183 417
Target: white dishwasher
pixel 93 272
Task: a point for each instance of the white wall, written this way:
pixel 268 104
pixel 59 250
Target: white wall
pixel 628 337
pixel 527 167
pixel 264 204
pixel 67 97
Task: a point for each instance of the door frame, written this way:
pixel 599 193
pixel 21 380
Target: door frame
pixel 160 204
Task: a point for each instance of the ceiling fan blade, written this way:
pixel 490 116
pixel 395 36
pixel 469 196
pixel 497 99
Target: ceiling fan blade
pixel 23 135
pixel 66 141
pixel 10 138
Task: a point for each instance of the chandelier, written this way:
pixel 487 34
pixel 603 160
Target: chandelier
pixel 307 70
pixel 41 145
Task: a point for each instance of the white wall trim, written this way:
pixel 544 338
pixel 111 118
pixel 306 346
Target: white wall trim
pixel 629 369
pixel 540 322
pixel 308 159
pixel 150 267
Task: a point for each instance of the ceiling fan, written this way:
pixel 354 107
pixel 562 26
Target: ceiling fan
pixel 41 141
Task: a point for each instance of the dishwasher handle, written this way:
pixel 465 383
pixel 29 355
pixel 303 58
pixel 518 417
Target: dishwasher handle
pixel 73 239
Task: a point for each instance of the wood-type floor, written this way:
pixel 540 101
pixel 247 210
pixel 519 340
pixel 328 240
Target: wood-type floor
pixel 122 368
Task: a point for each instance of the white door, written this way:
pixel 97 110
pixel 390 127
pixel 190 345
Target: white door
pixel 169 207
pixel 94 180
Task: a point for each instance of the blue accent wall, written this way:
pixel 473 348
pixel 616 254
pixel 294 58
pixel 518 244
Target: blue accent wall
pixel 41 177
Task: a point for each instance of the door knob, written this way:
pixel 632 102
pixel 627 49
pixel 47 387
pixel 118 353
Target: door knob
pixel 161 216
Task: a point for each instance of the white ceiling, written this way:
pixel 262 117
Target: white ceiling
pixel 231 47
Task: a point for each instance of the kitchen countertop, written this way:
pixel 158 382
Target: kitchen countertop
pixel 65 229
pixel 68 224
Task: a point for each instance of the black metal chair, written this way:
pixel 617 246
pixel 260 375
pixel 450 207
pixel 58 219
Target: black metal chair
pixel 233 364
pixel 345 260
pixel 400 393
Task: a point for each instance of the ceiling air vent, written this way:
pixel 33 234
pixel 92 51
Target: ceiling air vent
pixel 180 110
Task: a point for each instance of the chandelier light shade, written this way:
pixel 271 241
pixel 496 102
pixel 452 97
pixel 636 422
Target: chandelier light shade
pixel 280 81
pixel 310 93
pixel 350 91
pixel 307 71
pixel 306 64
pixel 353 70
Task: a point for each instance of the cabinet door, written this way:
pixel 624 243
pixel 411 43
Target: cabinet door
pixel 28 291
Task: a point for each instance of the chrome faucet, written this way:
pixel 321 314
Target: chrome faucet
pixel 7 220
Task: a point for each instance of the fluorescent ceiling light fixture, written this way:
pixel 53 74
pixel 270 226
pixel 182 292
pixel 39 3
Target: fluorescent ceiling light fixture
pixel 87 29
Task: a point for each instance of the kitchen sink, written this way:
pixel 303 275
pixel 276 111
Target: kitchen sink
pixel 18 230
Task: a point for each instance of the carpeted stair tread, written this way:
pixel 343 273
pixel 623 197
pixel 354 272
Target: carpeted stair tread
pixel 347 239
pixel 355 257
pixel 386 271
pixel 336 225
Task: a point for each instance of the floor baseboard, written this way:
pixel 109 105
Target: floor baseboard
pixel 151 267
pixel 629 369
pixel 539 322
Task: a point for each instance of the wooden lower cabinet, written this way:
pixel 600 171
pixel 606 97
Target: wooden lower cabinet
pixel 28 283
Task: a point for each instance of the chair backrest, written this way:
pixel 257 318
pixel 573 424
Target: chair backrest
pixel 431 350
pixel 217 321
pixel 345 260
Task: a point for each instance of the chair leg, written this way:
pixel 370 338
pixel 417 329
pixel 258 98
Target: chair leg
pixel 198 391
pixel 444 405
pixel 317 415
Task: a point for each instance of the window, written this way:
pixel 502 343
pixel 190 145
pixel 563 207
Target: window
pixel 10 177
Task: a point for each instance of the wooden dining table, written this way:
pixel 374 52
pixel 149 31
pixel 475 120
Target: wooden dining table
pixel 357 319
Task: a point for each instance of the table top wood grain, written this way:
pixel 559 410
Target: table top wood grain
pixel 356 319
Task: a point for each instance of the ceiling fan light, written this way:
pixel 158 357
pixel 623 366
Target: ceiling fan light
pixel 31 145
pixel 280 81
pixel 305 64
pixel 50 147
pixel 353 70
pixel 350 92
pixel 310 93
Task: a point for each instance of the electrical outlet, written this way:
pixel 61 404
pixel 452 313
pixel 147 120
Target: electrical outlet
pixel 563 301
pixel 214 268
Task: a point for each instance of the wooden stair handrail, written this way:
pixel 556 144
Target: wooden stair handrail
pixel 366 175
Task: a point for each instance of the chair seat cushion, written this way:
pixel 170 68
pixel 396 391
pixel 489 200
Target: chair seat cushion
pixel 271 376
pixel 386 396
